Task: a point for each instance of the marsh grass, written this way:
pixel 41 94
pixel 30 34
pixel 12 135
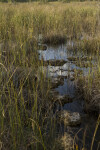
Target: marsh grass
pixel 26 111
pixel 90 91
pixel 54 19
pixel 87 45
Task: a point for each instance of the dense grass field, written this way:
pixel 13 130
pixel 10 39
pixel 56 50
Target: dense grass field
pixel 26 110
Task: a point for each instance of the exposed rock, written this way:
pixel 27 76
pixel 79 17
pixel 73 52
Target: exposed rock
pixel 56 71
pixel 65 142
pixel 70 118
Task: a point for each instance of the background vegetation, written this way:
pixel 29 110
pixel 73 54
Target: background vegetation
pixel 45 0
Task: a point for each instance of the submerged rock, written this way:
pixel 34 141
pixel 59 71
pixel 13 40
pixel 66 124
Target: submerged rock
pixel 62 99
pixel 70 118
pixel 55 82
pixel 53 92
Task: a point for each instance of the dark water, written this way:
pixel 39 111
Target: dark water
pixel 84 132
pixel 68 88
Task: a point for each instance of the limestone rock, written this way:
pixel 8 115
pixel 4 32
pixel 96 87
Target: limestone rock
pixel 64 142
pixel 70 118
pixel 67 142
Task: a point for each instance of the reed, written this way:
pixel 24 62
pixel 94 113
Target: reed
pixel 26 112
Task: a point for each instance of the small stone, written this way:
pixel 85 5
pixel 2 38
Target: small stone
pixel 65 142
pixel 70 118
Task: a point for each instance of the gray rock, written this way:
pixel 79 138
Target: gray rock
pixel 70 118
pixel 67 142
pixel 56 71
pixel 64 142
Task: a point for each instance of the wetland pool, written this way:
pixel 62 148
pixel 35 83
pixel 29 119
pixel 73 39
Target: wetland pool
pixel 68 72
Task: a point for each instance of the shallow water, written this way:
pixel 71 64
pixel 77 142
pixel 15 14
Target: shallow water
pixel 68 88
pixel 58 52
pixel 68 69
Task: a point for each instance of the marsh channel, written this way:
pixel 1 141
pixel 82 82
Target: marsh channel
pixel 64 67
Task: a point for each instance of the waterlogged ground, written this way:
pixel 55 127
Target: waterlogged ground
pixel 68 67
pixel 64 68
